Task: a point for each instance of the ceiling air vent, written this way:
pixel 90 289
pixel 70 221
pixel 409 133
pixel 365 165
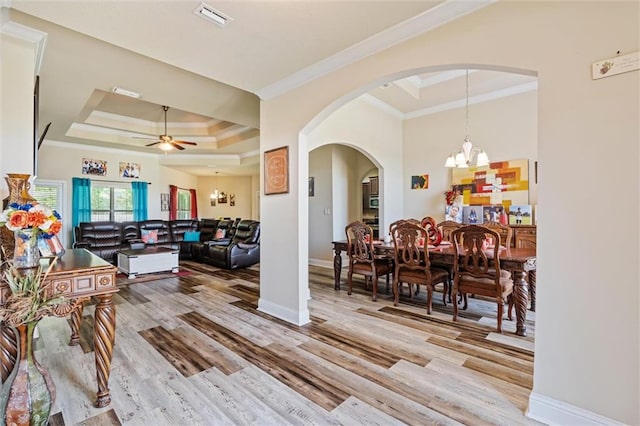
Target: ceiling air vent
pixel 210 14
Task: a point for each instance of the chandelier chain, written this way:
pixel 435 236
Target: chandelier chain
pixel 466 125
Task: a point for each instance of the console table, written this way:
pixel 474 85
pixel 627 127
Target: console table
pixel 78 275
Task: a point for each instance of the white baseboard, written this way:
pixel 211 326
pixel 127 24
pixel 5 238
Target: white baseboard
pixel 321 263
pixel 553 412
pixel 286 314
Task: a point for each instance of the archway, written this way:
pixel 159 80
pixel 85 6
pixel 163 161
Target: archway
pixel 390 160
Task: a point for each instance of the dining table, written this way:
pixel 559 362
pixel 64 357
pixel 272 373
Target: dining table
pixel 520 261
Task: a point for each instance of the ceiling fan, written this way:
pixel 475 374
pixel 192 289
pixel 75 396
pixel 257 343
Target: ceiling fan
pixel 166 142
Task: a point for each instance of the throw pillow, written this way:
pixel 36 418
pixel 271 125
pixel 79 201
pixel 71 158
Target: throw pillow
pixel 149 237
pixel 190 237
pixel 220 233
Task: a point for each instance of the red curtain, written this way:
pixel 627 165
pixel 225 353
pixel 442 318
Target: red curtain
pixel 173 202
pixel 194 204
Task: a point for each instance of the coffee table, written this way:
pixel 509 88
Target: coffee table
pixel 148 260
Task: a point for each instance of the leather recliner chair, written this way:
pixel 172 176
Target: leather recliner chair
pixel 177 228
pixel 104 239
pixel 241 251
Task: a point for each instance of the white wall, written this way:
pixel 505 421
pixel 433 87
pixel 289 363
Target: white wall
pixel 587 346
pixel 505 128
pixel 238 185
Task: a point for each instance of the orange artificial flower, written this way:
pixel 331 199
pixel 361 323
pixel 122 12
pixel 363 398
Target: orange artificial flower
pixel 55 227
pixel 19 219
pixel 36 218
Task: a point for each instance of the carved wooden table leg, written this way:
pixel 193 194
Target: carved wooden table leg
pixel 521 296
pixel 532 289
pixel 337 267
pixel 104 337
pixel 76 319
pixel 8 351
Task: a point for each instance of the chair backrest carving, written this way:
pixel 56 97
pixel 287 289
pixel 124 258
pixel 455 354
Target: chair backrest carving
pixel 398 222
pixel 505 231
pixel 359 242
pixel 446 228
pixel 473 257
pixel 409 239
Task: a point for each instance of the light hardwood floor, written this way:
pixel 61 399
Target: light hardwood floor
pixel 194 350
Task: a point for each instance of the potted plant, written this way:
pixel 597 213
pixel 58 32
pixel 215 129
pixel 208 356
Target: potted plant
pixel 28 393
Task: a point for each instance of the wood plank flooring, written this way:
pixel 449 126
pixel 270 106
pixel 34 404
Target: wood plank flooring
pixel 193 350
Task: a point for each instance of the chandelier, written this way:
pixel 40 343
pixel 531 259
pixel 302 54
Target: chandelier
pixel 468 154
pixel 215 194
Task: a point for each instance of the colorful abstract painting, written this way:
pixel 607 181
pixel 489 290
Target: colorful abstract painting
pixel 503 182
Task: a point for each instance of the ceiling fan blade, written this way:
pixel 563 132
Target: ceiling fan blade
pixel 152 144
pixel 175 145
pixel 185 142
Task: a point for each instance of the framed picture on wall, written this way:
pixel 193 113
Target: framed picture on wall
pixel 164 202
pixel 276 171
pixel 312 187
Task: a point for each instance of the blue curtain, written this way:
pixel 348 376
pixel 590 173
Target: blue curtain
pixel 81 201
pixel 140 200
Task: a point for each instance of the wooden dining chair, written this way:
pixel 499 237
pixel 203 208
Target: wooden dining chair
pixel 362 257
pixel 412 263
pixel 505 231
pixel 446 228
pixel 477 268
pixel 392 228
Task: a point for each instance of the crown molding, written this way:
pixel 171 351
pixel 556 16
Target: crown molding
pixel 430 19
pixel 380 104
pixel 22 32
pixel 460 103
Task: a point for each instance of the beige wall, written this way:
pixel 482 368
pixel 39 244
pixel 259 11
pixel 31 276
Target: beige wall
pixel 587 350
pixel 62 161
pixel 587 344
pixel 240 186
pixel 17 78
pixel 321 224
pixel 505 128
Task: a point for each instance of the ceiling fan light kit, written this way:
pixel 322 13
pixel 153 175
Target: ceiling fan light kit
pixel 166 142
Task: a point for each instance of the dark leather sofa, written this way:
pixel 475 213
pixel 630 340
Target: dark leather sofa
pixel 240 250
pixel 106 238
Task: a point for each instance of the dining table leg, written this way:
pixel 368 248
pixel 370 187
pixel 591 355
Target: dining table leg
pixel 521 296
pixel 337 268
pixel 532 289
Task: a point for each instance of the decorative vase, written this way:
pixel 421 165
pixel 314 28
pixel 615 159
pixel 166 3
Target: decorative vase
pixel 18 184
pixel 28 393
pixel 25 252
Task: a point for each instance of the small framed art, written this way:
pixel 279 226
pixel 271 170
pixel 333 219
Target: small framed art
pixel 164 202
pixel 276 171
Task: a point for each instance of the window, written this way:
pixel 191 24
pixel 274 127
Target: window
pixel 111 203
pixel 184 204
pixel 51 194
